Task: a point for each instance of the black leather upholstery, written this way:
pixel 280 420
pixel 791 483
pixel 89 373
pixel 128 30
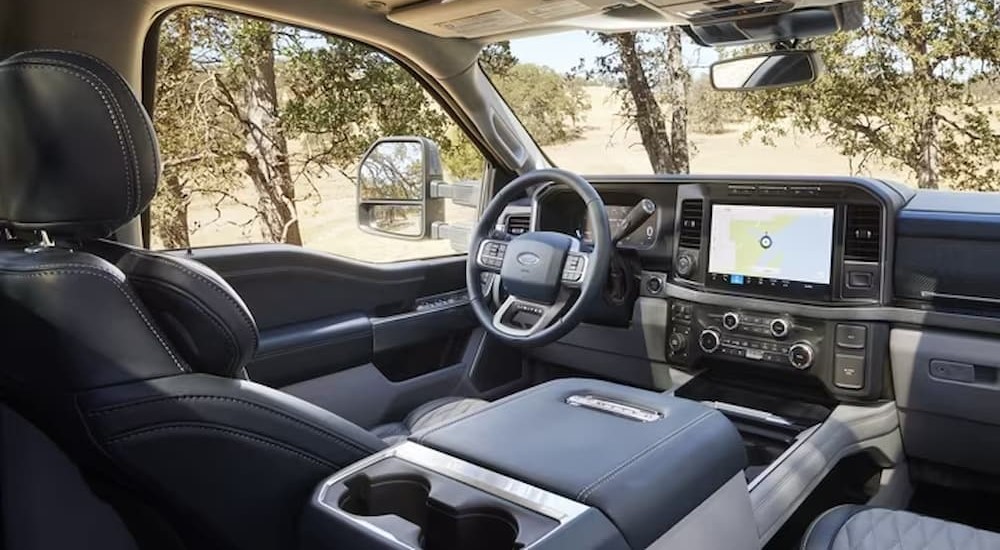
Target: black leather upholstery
pixel 202 316
pixel 79 156
pixel 645 479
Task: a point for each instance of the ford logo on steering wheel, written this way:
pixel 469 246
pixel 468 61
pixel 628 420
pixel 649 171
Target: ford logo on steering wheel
pixel 528 259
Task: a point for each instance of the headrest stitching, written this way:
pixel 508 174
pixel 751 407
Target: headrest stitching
pixel 216 288
pixel 121 126
pixel 231 342
pixel 135 102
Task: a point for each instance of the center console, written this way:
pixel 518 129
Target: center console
pixel 567 464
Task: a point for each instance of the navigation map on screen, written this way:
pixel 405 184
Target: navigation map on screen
pixel 778 242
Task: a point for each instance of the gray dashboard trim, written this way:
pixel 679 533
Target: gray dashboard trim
pixel 888 314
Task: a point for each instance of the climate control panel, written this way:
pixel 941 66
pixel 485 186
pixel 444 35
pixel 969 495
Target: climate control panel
pixel 760 337
pixel 839 353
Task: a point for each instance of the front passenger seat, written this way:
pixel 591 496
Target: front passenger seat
pixel 130 360
pixel 851 527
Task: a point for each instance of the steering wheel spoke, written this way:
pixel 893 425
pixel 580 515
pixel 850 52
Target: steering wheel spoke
pixel 518 317
pixel 490 255
pixel 552 277
pixel 576 270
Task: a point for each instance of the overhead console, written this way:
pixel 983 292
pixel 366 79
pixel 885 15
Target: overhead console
pixel 804 243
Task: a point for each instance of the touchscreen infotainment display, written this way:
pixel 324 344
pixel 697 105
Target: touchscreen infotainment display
pixel 771 247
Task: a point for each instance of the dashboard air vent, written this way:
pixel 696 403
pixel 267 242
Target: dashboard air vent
pixel 691 216
pixel 518 224
pixel 864 229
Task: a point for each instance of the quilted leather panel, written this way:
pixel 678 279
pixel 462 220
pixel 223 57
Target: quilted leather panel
pixel 881 529
pixel 428 415
pixel 446 413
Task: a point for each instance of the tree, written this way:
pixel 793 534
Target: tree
pixel 547 103
pixel 197 150
pixel 641 64
pixel 898 90
pixel 248 90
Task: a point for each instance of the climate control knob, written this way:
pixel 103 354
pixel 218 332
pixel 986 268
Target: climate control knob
pixel 731 320
pixel 677 342
pixel 779 328
pixel 709 340
pixel 801 355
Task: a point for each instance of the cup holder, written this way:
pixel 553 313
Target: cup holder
pixel 405 497
pixel 441 528
pixel 484 530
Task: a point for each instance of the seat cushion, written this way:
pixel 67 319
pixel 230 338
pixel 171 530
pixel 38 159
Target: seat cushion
pixel 864 528
pixel 432 413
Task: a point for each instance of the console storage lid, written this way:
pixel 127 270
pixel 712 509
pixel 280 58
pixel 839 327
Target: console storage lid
pixel 644 459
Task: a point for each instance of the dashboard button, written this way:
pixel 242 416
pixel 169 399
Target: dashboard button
pixel 859 279
pixel 849 371
pixel 685 265
pixel 731 320
pixel 654 285
pixel 852 336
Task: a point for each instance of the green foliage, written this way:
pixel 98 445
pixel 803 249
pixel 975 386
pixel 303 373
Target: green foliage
pixel 548 104
pixel 898 91
pixel 346 95
pixel 711 111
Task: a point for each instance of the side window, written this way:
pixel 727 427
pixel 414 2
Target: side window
pixel 263 127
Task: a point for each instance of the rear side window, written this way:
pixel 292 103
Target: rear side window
pixel 262 126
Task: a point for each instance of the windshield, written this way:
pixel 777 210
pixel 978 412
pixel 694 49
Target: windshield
pixel 920 113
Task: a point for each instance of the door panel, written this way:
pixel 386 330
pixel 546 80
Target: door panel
pixel 320 314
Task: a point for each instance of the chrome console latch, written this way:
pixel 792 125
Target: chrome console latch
pixel 617 408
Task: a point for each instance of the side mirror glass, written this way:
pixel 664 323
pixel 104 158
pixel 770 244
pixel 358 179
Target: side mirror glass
pixel 394 180
pixel 767 71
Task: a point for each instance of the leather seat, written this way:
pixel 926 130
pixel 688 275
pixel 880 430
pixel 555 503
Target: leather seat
pixel 852 527
pixel 132 361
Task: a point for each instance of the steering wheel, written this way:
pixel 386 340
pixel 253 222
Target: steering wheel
pixel 541 270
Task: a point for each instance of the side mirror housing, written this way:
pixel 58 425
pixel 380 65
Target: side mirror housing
pixel 394 188
pixel 777 69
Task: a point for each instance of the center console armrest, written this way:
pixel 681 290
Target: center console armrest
pixel 645 459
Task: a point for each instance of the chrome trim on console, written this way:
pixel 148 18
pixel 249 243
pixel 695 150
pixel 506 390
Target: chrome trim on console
pixel 551 505
pixel 538 500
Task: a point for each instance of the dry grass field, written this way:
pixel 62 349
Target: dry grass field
pixel 329 220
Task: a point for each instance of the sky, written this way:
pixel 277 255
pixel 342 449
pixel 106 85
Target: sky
pixel 563 51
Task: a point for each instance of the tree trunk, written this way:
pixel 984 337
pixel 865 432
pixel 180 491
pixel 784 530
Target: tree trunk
pixel 927 163
pixel 266 149
pixel 924 157
pixel 171 222
pixel 676 86
pixel 648 117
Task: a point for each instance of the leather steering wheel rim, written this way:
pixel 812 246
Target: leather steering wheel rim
pixel 596 261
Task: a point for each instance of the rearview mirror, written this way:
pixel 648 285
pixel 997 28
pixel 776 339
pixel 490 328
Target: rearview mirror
pixel 394 180
pixel 767 71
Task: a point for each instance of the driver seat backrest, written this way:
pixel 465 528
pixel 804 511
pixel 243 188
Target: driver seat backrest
pixel 130 360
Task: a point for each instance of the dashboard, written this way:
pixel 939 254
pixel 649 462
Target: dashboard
pixel 756 276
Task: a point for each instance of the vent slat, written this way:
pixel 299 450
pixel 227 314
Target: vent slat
pixel 692 214
pixel 863 234
pixel 518 224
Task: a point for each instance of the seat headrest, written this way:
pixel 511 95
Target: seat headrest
pixel 78 154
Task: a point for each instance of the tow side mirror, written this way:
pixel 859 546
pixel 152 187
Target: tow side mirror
pixel 777 69
pixel 394 188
